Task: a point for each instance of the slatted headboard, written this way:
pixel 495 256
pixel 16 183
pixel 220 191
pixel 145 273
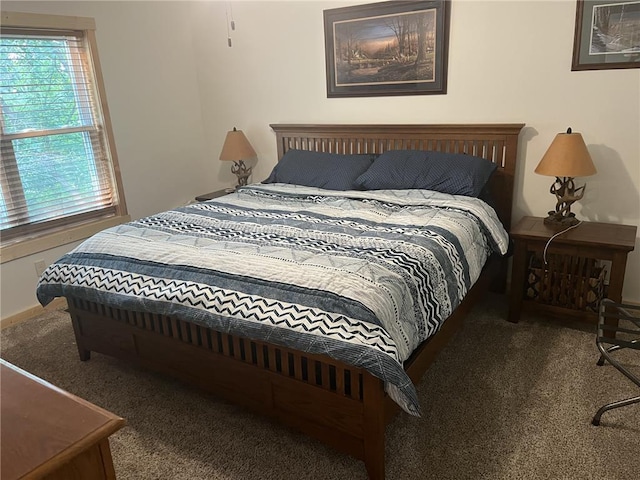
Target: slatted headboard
pixel 495 142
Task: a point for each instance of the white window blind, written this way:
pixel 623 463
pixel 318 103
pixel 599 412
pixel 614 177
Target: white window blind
pixel 56 166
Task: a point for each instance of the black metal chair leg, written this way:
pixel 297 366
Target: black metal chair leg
pixel 611 406
pixel 613 319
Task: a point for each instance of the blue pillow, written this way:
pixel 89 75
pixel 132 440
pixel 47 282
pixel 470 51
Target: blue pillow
pixel 454 173
pixel 320 169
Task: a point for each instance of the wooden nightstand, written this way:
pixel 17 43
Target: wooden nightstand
pixel 212 195
pixel 572 282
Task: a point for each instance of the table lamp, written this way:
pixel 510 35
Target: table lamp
pixel 236 149
pixel 566 158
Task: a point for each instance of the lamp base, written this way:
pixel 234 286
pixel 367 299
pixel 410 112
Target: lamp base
pixel 566 194
pixel 242 171
pixel 556 219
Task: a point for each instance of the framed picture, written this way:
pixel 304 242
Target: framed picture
pixel 607 35
pixel 387 48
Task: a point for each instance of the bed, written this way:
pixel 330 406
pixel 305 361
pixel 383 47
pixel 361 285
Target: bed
pixel 342 392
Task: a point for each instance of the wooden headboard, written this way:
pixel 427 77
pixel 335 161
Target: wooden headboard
pixel 495 142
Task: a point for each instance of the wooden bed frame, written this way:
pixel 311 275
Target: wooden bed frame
pixel 342 406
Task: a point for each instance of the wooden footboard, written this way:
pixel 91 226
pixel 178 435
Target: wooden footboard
pixel 341 405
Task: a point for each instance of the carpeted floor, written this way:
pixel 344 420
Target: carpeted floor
pixel 502 401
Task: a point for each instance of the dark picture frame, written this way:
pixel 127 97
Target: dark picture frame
pixel 387 48
pixel 607 35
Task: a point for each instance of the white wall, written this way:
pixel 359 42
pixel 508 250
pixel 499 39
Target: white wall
pixel 175 88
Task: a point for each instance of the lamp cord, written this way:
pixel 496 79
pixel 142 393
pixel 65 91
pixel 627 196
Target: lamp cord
pixel 544 253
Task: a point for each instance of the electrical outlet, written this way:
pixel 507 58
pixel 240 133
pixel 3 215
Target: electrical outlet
pixel 40 266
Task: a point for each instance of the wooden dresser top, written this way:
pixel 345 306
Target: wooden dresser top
pixel 44 426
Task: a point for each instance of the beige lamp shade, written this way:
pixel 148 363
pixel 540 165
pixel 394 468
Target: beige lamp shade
pixel 236 147
pixel 567 156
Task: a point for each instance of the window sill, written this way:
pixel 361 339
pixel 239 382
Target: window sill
pixel 28 246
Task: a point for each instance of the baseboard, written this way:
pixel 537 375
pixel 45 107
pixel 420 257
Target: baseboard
pixel 635 313
pixel 56 304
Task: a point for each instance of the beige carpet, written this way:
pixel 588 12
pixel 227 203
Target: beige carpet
pixel 502 401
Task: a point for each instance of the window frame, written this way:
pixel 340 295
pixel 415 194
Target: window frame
pixel 64 232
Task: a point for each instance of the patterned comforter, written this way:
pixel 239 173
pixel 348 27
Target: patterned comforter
pixel 363 277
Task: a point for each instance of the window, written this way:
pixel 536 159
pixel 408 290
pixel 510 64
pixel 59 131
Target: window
pixel 58 164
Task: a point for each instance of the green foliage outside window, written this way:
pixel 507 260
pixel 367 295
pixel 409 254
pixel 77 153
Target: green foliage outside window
pixel 42 89
pixel 37 85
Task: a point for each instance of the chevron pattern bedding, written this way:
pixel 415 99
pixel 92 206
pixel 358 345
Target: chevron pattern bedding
pixel 363 277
